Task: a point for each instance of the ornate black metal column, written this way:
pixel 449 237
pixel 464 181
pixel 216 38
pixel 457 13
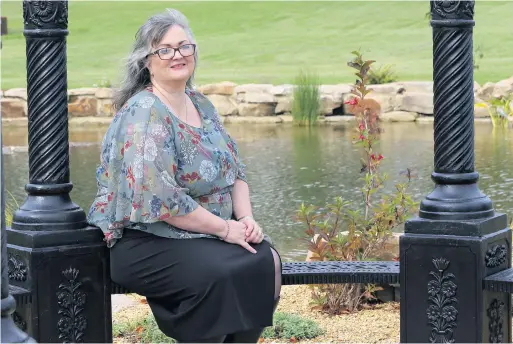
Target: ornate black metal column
pixel 54 256
pixel 458 239
pixel 10 332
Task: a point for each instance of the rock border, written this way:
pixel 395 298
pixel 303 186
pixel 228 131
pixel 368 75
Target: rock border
pixel 407 101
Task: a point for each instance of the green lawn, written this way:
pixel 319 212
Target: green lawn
pixel 267 42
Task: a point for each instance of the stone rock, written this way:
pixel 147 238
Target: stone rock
pixel 282 90
pixel 415 87
pixel 104 108
pixel 224 104
pixel 286 118
pixel 388 89
pixel 82 106
pixel 399 116
pixel 223 88
pixel 252 119
pixel 254 93
pixel 337 92
pixel 13 107
pixel 480 112
pixel 284 105
pixel 425 119
pixel 503 88
pixel 486 90
pixel 87 91
pixel 331 119
pixel 256 109
pixel 20 93
pixel 388 102
pixel 104 93
pixel 416 102
pixel 1 94
pixel 476 87
pixel 328 103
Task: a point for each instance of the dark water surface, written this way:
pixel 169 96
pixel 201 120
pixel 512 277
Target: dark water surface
pixel 288 165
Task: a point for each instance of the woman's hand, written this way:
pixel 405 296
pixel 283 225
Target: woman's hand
pixel 236 234
pixel 254 233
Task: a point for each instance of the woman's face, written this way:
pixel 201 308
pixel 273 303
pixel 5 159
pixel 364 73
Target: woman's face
pixel 172 67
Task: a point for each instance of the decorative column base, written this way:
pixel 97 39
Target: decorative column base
pixel 67 272
pixel 442 296
pixel 48 207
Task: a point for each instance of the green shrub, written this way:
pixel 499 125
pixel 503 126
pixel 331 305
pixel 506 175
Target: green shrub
pixel 287 326
pixel 381 75
pixel 306 103
pixel 141 330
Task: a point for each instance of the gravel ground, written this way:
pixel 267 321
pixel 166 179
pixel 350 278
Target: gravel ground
pixel 346 328
pixel 349 328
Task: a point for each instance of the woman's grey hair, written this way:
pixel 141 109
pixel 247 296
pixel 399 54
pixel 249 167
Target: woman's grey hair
pixel 136 75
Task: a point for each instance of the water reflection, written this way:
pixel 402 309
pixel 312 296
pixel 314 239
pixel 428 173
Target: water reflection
pixel 288 165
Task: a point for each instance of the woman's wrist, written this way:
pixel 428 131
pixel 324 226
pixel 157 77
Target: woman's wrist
pixel 227 230
pixel 245 217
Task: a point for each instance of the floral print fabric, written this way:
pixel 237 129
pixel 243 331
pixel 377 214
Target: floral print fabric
pixel 154 166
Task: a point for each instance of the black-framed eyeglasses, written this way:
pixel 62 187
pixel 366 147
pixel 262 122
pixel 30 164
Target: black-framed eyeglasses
pixel 169 52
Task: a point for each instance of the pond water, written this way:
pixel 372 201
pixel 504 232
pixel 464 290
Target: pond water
pixel 288 165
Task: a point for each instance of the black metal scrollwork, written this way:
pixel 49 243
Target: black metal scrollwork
pixel 496 255
pixel 17 268
pixel 71 300
pixel 42 13
pixel 496 318
pixel 442 312
pixel 450 9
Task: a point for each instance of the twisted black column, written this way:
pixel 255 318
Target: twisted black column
pixel 456 195
pixel 48 205
pixel 458 239
pixel 10 332
pixel 58 266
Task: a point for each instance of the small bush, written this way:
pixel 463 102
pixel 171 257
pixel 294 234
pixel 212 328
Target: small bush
pixel 381 75
pixel 306 103
pixel 287 326
pixel 357 231
pixel 141 330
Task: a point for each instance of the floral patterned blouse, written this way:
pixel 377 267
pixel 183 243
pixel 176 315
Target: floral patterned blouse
pixel 154 166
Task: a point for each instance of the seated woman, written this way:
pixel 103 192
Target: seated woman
pixel 170 184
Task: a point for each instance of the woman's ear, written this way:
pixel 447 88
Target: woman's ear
pixel 147 64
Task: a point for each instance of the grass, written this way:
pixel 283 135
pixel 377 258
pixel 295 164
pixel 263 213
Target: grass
pixel 266 42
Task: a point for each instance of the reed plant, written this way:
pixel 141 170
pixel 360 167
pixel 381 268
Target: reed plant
pixel 306 103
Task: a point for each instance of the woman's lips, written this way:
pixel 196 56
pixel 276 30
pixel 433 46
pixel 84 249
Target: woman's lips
pixel 178 66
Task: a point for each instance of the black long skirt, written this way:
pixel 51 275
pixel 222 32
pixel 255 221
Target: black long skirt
pixel 197 288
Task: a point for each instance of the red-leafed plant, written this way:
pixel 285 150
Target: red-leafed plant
pixel 341 232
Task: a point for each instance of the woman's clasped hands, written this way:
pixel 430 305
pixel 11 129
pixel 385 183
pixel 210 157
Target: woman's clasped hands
pixel 244 232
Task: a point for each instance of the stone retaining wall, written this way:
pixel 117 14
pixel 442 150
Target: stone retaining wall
pixel 400 101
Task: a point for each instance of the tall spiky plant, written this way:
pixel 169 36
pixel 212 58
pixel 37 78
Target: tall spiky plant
pixel 306 102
